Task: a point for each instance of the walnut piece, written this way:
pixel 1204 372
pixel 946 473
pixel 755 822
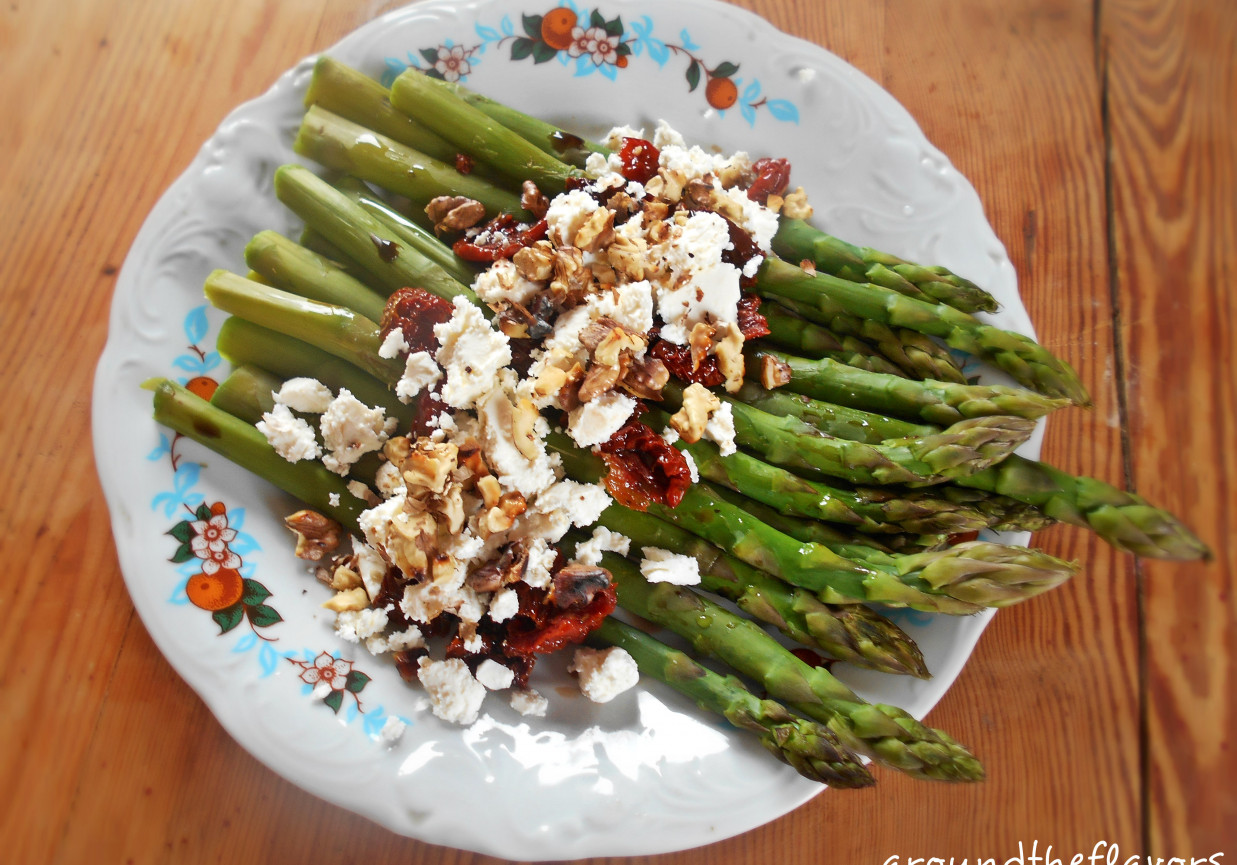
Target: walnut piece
pixel 796 206
pixel 599 379
pixel 428 466
pixel 316 535
pixel 349 599
pixel 691 419
pixel 535 263
pixel 700 341
pixel 454 213
pixel 596 232
pixel 533 200
pixel 729 351
pixel 523 421
pixel 645 378
pixel 773 372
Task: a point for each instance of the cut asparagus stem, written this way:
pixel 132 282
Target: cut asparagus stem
pixel 930 401
pixel 290 266
pixel 847 632
pixel 815 751
pixel 1028 362
pixel 473 132
pixel 797 240
pixel 797 334
pixel 363 238
pixel 887 734
pixel 345 146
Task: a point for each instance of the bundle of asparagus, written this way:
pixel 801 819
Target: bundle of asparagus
pixel 827 507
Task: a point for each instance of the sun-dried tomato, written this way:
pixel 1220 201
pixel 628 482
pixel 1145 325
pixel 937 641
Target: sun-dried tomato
pixel 643 468
pixel 678 359
pixel 751 323
pixel 640 159
pixel 463 163
pixel 812 659
pixel 772 178
pixel 415 311
pixel 549 629
pixel 501 237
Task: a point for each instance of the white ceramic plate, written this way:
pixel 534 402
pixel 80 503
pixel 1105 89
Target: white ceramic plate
pixel 647 773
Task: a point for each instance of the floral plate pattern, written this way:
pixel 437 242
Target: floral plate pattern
pixel 201 543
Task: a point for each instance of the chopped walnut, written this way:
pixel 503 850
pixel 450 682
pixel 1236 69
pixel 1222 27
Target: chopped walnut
pixel 349 599
pixel 645 378
pixel 599 379
pixel 316 535
pixel 523 431
pixel 773 372
pixel 535 263
pixel 504 570
pixel 616 342
pixel 700 341
pixel 731 173
pixel 774 202
pixel 428 465
pixel 656 210
pixel 344 578
pixel 808 266
pixel 596 232
pixel 659 231
pixel 490 490
pixel 570 276
pixel 471 460
pixel 623 206
pixel 729 351
pixel 796 206
pixel 454 213
pixel 691 419
pixel 699 194
pixel 629 256
pixel 674 181
pixel 534 200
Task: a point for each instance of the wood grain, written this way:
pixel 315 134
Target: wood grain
pixel 1174 183
pixel 1101 714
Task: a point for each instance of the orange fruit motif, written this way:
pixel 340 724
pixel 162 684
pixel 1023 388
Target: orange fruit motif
pixel 721 93
pixel 216 591
pixel 621 63
pixel 556 28
pixel 203 386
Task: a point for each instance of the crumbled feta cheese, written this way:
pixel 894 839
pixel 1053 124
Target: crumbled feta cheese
pixel 392 731
pixel 357 625
pixel 504 604
pixel 663 566
pixel 540 566
pixel 629 304
pixel 389 481
pixel 393 344
pixel 594 422
pixel 304 394
pixel 703 287
pixel 604 673
pixel 529 703
pixel 502 452
pixel 410 638
pixel 495 676
pixel 603 541
pixel 420 372
pixel 692 469
pixel 758 221
pixel 502 281
pixel 567 212
pixel 454 694
pixel 665 136
pixel 471 352
pixel 614 138
pixel 720 429
pixel 563 504
pixel 359 490
pixel 333 499
pixel 351 429
pixel 290 436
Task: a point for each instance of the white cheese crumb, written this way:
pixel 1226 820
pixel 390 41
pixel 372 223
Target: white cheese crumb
pixel 392 731
pixel 603 540
pixel 357 625
pixel 604 673
pixel 502 281
pixel 411 638
pixel 630 304
pixel 454 694
pixel 666 136
pixel 495 676
pixel 420 372
pixel 720 429
pixel 389 481
pixel 502 454
pixel 351 429
pixel 471 352
pixel 663 566
pixel 290 436
pixel 529 703
pixel 541 557
pixel 565 503
pixel 359 490
pixel 594 422
pixel 333 499
pixel 692 469
pixel 393 344
pixel 567 212
pixel 504 604
pixel 614 138
pixel 304 394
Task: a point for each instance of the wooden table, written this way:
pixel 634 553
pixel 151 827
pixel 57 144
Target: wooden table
pixel 1100 138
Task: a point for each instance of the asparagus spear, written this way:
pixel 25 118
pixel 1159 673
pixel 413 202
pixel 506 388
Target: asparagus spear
pixel 1046 494
pixel 288 265
pixel 1028 362
pixel 887 734
pixel 798 334
pixel 345 146
pixel 847 632
pixel 931 401
pixel 814 750
pixel 362 238
pixel 797 240
pixel 473 132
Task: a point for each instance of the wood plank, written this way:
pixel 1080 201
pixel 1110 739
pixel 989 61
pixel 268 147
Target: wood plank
pixel 1172 91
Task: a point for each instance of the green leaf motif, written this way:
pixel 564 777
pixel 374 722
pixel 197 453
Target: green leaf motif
pixel 521 48
pixel 532 26
pixel 183 554
pixel 615 27
pixel 255 593
pixel 335 699
pixel 229 617
pixel 263 616
pixel 543 53
pixel 430 55
pixel 597 19
pixel 203 512
pixel 623 50
pixel 725 69
pixel 356 681
pixel 182 531
pixel 693 76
